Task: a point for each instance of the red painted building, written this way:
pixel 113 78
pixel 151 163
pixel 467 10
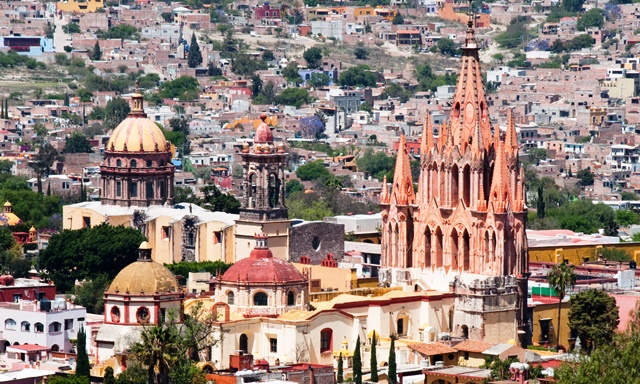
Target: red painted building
pixel 265 11
pixel 12 290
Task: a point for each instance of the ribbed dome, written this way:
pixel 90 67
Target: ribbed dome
pixel 144 277
pixel 262 267
pixel 137 134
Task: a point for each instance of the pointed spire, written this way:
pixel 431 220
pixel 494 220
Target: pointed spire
pixel 442 135
pixel 427 137
pixel 402 193
pixel 384 196
pixel 500 194
pixel 511 140
pixel 518 204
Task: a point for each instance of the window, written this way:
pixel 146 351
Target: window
pixel 149 190
pixel 400 326
pixel 65 185
pixel 166 233
pixel 17 297
pixel 133 164
pixel 118 188
pixel 230 298
pixel 217 237
pixel 86 222
pixel 25 326
pixel 260 299
pixel 134 189
pixel 80 319
pixel 273 345
pixel 38 327
pixel 326 336
pixel 118 163
pixel 142 315
pixel 10 324
pixel 191 239
pixel 115 315
pixel 55 327
pixel 149 163
pixel 291 298
pixel 68 324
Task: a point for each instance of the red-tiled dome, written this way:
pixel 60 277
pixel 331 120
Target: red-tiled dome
pixel 263 133
pixel 262 267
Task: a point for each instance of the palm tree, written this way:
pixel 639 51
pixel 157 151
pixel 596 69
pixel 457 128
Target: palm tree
pixel 158 347
pixel 561 278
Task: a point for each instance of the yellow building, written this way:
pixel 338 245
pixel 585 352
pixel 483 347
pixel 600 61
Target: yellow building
pixel 82 6
pixel 576 254
pixel 183 232
pixel 386 14
pixel 363 11
pixel 544 322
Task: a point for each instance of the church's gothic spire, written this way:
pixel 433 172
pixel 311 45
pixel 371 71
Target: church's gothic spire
pixel 402 193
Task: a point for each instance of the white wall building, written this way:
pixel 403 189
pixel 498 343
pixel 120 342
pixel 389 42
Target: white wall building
pixel 331 28
pixel 27 322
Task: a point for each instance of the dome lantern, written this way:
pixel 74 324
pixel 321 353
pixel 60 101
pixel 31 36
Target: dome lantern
pixel 144 251
pixel 137 103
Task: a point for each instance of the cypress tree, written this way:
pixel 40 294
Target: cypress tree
pixel 393 377
pixel 83 192
pixel 340 377
pixel 374 359
pixel 541 205
pixel 194 59
pixel 82 364
pixel 2 110
pixel 357 363
pixel 6 108
pixel 108 376
pixel 97 52
pixel 49 189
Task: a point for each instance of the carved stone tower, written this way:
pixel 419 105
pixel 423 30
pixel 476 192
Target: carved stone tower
pixel 464 230
pixel 263 208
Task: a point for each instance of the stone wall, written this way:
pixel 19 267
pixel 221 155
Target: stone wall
pixel 316 240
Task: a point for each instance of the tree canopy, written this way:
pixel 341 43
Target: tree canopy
pixel 89 252
pixel 194 57
pixel 313 56
pixel 594 317
pixel 376 164
pixel 296 97
pixel 358 76
pixel 115 112
pixel 77 143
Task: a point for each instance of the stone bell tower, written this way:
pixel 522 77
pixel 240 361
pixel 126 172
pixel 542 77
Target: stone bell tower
pixel 263 208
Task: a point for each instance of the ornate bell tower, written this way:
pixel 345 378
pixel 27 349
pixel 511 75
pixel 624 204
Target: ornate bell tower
pixel 263 208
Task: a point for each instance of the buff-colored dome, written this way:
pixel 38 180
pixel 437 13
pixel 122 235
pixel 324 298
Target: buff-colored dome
pixel 137 134
pixel 144 277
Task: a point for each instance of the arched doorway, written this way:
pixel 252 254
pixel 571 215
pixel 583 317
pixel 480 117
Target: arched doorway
pixel 244 343
pixel 465 331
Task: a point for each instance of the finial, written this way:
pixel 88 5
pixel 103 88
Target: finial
pixel 138 86
pixel 263 117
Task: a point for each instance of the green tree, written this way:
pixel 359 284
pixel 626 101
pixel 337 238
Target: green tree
pixel 185 267
pixel 357 363
pixel 361 53
pixel 374 359
pixel 91 294
pixel 313 56
pixel 614 254
pixel 398 19
pixel 572 5
pixel 109 378
pixel 268 55
pixel 82 363
pixel 515 34
pixel 447 47
pixel 561 277
pixel 158 348
pixel 194 58
pixel 629 196
pixel 358 76
pixel 293 186
pixel 216 201
pixel 116 111
pixel 88 253
pixel 212 70
pixel 246 65
pixel 592 18
pixel 585 176
pixel 392 375
pixel 594 317
pixel 77 143
pixel 376 164
pixel 541 204
pixel 499 368
pixel 71 28
pixel 5 167
pixel 182 88
pixel 340 374
pixel 312 170
pixel 290 72
pixel 96 54
pixel 626 218
pixel 318 80
pixel 43 162
pixel 136 373
pixel 256 85
pixel 296 97
pixel 309 207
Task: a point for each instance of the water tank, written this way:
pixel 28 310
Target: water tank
pixel 439 363
pixel 59 304
pixel 424 364
pixel 45 305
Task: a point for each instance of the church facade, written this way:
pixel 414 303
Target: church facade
pixel 464 230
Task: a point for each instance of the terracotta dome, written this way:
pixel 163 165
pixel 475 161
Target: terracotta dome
pixel 262 267
pixel 144 277
pixel 263 132
pixel 136 133
pixel 7 217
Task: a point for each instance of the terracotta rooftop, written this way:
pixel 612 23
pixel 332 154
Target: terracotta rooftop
pixel 431 349
pixel 473 346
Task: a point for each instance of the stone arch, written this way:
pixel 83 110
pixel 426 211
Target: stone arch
pixel 243 343
pixel 274 190
pixel 427 246
pixel 466 249
pixel 221 308
pixel 454 245
pixel 442 187
pixel 439 240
